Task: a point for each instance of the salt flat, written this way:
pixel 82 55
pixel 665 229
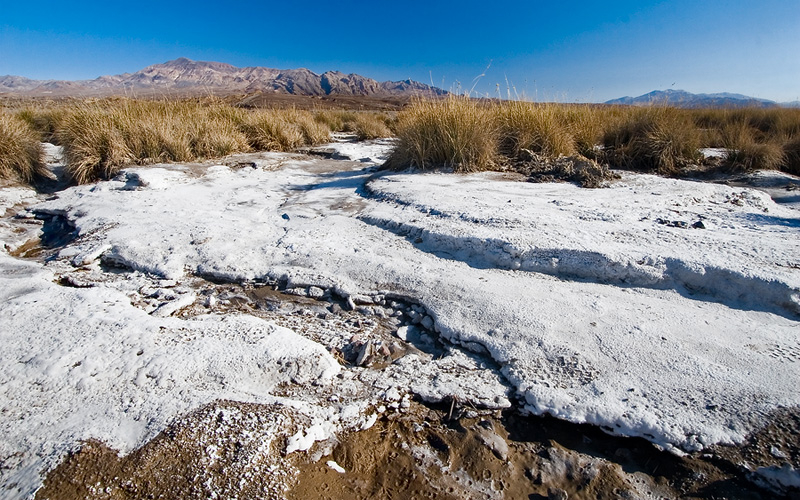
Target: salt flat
pixel 659 308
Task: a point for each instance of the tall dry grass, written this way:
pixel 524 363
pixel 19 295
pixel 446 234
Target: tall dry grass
pixel 540 128
pixel 656 139
pixel 475 135
pixel 101 136
pixel 364 124
pixel 454 132
pixel 21 155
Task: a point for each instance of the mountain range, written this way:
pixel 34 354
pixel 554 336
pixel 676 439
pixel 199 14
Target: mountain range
pixel 684 99
pixel 185 76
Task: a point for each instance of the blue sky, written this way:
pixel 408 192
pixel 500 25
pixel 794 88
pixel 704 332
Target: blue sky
pixel 550 50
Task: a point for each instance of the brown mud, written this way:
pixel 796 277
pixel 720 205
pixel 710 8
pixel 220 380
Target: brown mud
pixel 444 452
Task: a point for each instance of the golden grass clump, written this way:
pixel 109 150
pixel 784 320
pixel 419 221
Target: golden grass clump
pixel 101 137
pixel 21 156
pixel 454 132
pixel 587 123
pixel 270 131
pixel 745 151
pixel 283 130
pixel 661 140
pixel 313 131
pixel 791 156
pixel 45 120
pixel 755 156
pixel 539 128
pixel 336 120
pixel 94 145
pixel 371 126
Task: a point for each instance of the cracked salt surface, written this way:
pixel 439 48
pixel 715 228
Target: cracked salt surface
pixel 591 309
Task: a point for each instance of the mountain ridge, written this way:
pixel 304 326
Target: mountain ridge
pixel 186 75
pixel 684 99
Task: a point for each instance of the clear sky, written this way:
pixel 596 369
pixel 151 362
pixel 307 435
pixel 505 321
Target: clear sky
pixel 546 50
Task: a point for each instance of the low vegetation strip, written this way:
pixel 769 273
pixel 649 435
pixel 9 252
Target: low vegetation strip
pixel 470 135
pixel 101 136
pixel 577 142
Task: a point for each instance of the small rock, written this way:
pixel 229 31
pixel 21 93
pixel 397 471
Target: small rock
pixel 497 444
pixel 427 322
pixel 364 354
pixel 777 453
pixel 557 494
pixel 316 292
pixel 298 292
pixel 362 300
pixel 333 465
pixel 402 333
pixel 699 225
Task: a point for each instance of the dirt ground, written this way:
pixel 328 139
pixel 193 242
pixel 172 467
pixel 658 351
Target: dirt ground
pixel 444 452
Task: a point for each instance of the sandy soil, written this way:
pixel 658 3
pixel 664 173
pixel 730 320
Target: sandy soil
pixel 420 452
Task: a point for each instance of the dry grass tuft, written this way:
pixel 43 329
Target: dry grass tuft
pixel 100 137
pixel 371 126
pixel 454 132
pixel 336 120
pixel 45 120
pixel 661 140
pixel 755 156
pixel 94 146
pixel 21 156
pixel 791 153
pixel 539 128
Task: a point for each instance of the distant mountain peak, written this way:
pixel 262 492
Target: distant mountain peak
pixel 684 99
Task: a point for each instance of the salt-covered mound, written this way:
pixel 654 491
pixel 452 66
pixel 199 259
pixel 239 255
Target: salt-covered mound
pixel 658 308
pixel 85 363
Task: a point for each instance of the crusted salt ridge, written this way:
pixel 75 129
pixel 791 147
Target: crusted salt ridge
pixel 662 362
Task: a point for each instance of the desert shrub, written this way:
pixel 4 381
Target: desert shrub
pixel 370 126
pixel 44 120
pixel 661 140
pixel 94 146
pixel 336 120
pixel 755 156
pixel 21 155
pixel 539 128
pixel 791 156
pixel 267 130
pixel 313 131
pixel 453 132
